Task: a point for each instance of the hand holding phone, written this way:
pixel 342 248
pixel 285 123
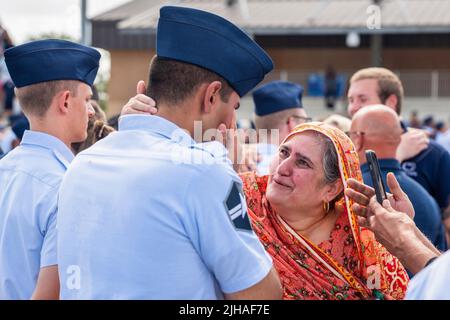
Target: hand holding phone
pixel 374 167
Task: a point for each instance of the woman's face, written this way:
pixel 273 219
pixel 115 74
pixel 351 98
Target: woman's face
pixel 296 174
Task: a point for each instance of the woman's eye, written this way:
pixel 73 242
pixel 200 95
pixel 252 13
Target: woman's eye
pixel 302 163
pixel 283 153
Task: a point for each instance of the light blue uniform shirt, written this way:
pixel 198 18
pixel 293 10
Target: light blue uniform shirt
pixel 433 282
pixel 137 220
pixel 266 153
pixel 30 176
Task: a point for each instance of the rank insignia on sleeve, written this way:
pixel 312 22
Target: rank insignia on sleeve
pixel 236 208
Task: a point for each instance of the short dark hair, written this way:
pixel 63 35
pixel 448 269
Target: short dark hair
pixel 95 95
pixel 35 99
pixel 172 81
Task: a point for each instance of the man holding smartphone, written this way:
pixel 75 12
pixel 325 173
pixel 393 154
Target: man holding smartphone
pixel 425 161
pixel 378 128
pixel 393 226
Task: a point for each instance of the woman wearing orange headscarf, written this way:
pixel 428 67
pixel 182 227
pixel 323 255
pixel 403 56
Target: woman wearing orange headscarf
pixel 319 250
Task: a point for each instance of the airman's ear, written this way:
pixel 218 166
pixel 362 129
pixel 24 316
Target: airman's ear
pixel 62 100
pixel 212 96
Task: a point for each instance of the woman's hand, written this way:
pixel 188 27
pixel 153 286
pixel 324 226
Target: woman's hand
pixel 140 103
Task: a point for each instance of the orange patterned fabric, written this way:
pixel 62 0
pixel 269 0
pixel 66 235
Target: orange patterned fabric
pixel 350 265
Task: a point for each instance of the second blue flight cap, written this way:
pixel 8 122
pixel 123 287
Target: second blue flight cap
pixel 276 96
pixel 211 42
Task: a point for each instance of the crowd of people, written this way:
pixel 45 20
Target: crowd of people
pixel 437 130
pixel 162 206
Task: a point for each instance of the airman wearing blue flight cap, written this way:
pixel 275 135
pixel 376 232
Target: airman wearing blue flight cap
pixel 278 109
pixel 52 79
pixel 14 135
pixel 165 216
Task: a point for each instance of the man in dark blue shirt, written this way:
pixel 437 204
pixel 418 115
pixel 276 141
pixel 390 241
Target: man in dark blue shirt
pixel 378 128
pixel 426 162
pixel 431 169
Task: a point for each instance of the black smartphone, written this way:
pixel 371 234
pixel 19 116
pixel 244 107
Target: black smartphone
pixel 378 184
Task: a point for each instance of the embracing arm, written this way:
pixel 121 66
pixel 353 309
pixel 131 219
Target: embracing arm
pixel 413 142
pixel 47 287
pixel 268 288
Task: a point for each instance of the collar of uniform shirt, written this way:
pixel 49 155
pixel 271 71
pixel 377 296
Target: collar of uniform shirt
pixel 157 125
pixel 47 141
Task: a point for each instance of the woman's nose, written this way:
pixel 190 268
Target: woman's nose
pixel 284 167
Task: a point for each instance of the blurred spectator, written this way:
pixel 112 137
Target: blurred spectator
pixel 97 126
pixel 443 135
pixel 429 126
pixel 4 130
pixel 95 102
pixel 425 161
pixel 441 128
pixel 5 39
pixel 19 129
pixel 13 136
pixel 278 110
pixel 330 88
pixel 446 215
pixel 414 121
pixel 3 127
pixel 114 121
pixel 338 121
pixel 97 130
pixel 6 83
pixel 378 128
pixel 246 127
pixel 315 85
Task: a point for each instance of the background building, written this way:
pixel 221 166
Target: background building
pixel 303 37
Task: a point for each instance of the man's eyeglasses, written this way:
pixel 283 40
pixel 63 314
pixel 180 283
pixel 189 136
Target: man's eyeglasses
pixel 299 119
pixel 354 133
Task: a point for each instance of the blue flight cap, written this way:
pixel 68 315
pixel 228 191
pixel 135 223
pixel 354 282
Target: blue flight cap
pixel 277 96
pixel 48 60
pixel 20 126
pixel 211 42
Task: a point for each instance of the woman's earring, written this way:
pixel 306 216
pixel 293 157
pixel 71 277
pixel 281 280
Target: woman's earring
pixel 326 206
